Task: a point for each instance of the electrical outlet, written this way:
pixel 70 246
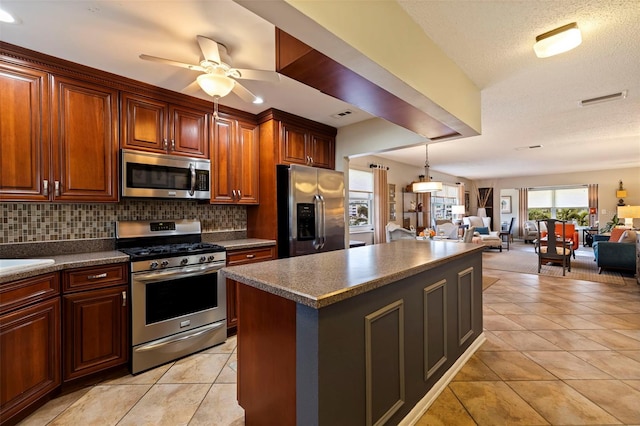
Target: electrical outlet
pixel 603 211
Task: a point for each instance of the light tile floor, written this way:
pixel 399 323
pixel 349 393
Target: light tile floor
pixel 558 351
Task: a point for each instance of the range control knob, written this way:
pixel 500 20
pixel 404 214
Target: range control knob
pixel 184 261
pixel 203 259
pixel 211 258
pixel 153 265
pixel 164 263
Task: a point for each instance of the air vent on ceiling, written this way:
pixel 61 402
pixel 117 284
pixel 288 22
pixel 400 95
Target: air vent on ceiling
pixel 342 114
pixel 605 98
pixel 522 148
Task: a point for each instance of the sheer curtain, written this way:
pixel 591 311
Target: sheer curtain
pixel 380 205
pixel 523 207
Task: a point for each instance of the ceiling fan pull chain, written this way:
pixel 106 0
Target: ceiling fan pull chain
pixel 215 106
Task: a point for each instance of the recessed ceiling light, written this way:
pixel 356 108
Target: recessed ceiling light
pixel 6 17
pixel 558 41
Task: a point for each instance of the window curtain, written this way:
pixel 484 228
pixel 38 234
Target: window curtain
pixel 593 204
pixel 523 207
pixel 380 205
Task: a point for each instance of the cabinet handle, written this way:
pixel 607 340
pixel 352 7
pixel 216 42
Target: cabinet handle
pixel 124 298
pixel 164 144
pixel 173 144
pixel 95 277
pixel 239 194
pixel 233 194
pixel 311 160
pixel 45 188
pixel 251 256
pixel 56 188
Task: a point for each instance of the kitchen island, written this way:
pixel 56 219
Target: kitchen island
pixel 361 336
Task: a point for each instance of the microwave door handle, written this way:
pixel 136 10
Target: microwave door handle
pixel 192 171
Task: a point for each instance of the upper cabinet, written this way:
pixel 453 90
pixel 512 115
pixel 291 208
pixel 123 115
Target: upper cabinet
pixel 300 145
pixel 157 126
pixel 235 153
pixel 59 138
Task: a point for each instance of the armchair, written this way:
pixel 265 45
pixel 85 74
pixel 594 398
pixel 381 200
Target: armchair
pixel 396 232
pixel 529 231
pixel 617 251
pixel 491 239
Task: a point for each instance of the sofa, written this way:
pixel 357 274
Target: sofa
pixel 483 234
pixel 616 251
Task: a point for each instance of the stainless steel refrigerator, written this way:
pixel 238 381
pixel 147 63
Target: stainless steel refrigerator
pixel 310 210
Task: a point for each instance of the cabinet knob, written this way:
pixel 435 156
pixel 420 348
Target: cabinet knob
pixel 164 144
pixel 233 194
pixel 173 144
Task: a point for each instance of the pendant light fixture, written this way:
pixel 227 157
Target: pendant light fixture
pixel 558 41
pixel 427 185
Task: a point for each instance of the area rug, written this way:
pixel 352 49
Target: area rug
pixel 522 258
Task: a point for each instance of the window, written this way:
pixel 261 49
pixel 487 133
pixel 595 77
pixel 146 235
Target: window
pixel 360 199
pixel 442 201
pixel 570 203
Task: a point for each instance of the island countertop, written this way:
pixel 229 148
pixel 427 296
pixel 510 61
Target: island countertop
pixel 323 279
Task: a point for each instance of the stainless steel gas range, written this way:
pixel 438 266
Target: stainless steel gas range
pixel 177 305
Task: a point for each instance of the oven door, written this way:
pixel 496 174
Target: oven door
pixel 168 302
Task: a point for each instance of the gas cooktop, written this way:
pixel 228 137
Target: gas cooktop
pixel 169 250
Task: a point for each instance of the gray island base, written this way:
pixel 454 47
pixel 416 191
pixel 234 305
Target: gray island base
pixel 364 336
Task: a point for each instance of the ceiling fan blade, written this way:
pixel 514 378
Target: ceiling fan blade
pixel 171 62
pixel 262 75
pixel 209 49
pixel 192 88
pixel 244 93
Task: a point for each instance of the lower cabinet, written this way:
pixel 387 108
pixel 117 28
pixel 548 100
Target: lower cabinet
pixel 29 344
pixel 242 257
pixel 95 316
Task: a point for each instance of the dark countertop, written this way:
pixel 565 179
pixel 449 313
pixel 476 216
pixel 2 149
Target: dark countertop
pixel 322 279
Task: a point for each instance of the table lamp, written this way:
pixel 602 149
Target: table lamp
pixel 629 213
pixel 458 211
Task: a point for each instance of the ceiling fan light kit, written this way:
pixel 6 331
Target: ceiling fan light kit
pixel 558 41
pixel 216 85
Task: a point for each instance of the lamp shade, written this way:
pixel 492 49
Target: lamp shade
pixel 629 212
pixel 426 186
pixel 621 193
pixel 558 41
pixel 457 209
pixel 216 84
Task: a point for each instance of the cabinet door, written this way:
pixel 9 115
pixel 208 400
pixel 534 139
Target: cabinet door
pixel 144 123
pixel 30 354
pixel 322 151
pixel 189 133
pixel 246 163
pixel 24 132
pixel 242 257
pixel 95 333
pixel 221 153
pixel 293 144
pixel 85 141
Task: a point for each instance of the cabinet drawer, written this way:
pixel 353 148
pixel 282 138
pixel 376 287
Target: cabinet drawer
pixel 239 257
pixel 20 293
pixel 95 277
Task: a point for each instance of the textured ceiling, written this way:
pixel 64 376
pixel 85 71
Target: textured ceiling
pixel 525 100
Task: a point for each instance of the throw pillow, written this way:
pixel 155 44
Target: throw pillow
pixel 616 233
pixel 628 236
pixel 482 230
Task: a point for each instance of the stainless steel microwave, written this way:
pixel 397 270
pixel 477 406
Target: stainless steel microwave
pixel 150 175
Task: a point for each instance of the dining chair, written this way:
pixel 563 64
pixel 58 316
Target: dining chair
pixel 553 249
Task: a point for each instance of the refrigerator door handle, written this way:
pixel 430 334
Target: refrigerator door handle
pixel 323 234
pixel 317 241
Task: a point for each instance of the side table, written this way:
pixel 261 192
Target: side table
pixel 587 236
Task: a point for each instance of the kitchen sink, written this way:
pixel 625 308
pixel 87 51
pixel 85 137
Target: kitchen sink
pixel 10 266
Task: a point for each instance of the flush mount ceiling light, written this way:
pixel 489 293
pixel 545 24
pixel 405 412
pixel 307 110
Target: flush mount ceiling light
pixel 558 41
pixel 6 17
pixel 427 185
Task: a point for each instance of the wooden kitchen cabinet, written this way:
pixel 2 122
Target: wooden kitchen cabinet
pixel 235 153
pixel 29 344
pixel 157 126
pixel 300 145
pixel 242 257
pixel 95 318
pixel 24 131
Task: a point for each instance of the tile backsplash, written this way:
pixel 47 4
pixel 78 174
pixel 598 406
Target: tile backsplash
pixel 32 222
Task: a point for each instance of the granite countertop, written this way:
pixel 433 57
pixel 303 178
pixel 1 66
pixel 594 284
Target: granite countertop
pixel 246 243
pixel 68 261
pixel 322 279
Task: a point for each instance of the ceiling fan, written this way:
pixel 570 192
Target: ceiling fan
pixel 219 78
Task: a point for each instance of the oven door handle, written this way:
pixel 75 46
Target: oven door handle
pixel 181 273
pixel 170 340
